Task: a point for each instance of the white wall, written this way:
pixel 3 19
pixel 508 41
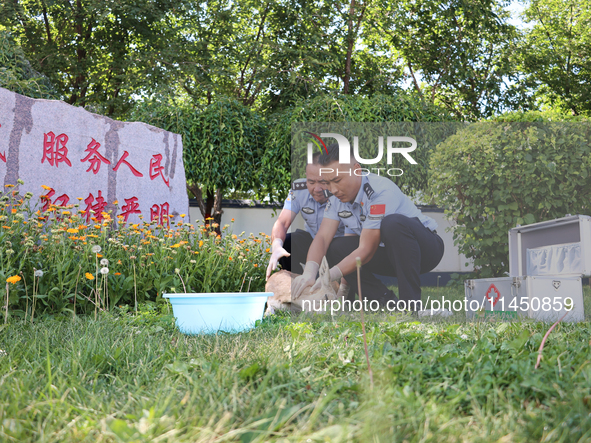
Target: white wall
pixel 255 220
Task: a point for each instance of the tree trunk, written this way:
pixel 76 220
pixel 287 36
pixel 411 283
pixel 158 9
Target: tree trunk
pixel 347 75
pixel 210 206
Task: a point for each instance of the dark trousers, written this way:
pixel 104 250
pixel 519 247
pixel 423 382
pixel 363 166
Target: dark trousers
pixel 297 244
pixel 410 249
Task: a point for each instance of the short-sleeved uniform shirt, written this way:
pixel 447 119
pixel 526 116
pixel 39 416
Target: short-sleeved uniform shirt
pixel 377 197
pixel 300 200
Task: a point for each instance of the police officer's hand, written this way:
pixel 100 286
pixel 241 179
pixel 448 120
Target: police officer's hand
pixel 305 280
pixel 335 274
pixel 277 252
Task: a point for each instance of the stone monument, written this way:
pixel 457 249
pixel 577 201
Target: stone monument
pixel 67 155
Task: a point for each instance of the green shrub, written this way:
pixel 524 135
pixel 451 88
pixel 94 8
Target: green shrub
pixel 16 73
pixel 492 176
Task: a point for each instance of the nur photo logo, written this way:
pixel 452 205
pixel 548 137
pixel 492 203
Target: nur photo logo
pixel 394 145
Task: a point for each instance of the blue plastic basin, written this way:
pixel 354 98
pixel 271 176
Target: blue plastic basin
pixel 213 312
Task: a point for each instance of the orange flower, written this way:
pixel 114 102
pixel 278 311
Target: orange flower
pixel 255 265
pixel 13 211
pixel 14 279
pixel 232 220
pixel 230 258
pixel 89 276
pixel 47 188
pixel 117 273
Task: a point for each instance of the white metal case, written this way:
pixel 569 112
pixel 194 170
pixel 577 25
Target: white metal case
pixel 544 298
pixel 554 247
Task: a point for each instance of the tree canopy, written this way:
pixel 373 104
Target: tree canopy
pixel 468 56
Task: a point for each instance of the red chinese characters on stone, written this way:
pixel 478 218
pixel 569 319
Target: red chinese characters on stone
pixel 160 214
pixel 55 150
pixel 3 156
pixel 131 207
pixel 97 205
pixel 62 200
pixel 156 169
pixel 125 162
pixel 94 157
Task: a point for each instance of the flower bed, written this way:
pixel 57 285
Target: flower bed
pixel 65 263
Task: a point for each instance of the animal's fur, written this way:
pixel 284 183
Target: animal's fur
pixel 280 285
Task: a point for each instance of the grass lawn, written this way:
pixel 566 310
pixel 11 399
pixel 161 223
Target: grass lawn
pixel 135 378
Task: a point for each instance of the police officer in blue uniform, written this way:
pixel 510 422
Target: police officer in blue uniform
pixel 306 197
pixel 393 237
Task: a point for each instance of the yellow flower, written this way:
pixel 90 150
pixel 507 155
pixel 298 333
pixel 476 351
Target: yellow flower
pixel 89 276
pixel 183 215
pixel 200 243
pixel 176 245
pixel 73 231
pixel 97 226
pixel 14 279
pixel 66 212
pixel 116 202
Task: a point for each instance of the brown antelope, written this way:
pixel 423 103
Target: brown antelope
pixel 280 285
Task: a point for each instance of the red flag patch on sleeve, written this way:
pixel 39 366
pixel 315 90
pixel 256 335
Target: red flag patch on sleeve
pixel 377 209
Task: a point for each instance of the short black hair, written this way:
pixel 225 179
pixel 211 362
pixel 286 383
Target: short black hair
pixel 315 157
pixel 332 155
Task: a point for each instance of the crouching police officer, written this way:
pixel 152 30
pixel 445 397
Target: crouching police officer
pixel 393 237
pixel 308 198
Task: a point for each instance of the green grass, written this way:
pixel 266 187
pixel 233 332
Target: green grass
pixel 135 378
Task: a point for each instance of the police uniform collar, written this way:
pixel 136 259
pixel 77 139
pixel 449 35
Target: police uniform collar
pixel 359 197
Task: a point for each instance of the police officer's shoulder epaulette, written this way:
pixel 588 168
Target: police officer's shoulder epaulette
pixel 368 190
pixel 299 184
